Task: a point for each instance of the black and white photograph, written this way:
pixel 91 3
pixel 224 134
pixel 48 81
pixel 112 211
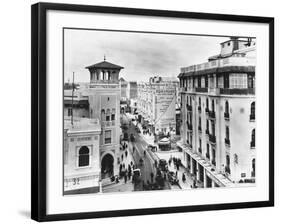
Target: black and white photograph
pixel 148 111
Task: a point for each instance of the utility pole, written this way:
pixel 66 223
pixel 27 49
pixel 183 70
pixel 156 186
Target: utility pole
pixel 72 99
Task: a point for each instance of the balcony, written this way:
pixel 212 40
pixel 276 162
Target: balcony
pixel 226 116
pixel 252 117
pixel 212 138
pixel 253 144
pixel 201 90
pixel 227 141
pixel 212 114
pixel 246 91
pixel 183 89
pixel 189 108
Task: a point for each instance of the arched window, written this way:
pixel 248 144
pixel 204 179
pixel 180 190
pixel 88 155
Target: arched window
pixel 103 115
pixel 107 118
pixel 226 107
pixel 227 132
pixel 253 138
pixel 213 105
pixel 253 111
pixel 253 174
pixel 84 156
pixel 113 114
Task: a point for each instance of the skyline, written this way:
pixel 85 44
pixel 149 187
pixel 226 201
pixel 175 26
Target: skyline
pixel 141 54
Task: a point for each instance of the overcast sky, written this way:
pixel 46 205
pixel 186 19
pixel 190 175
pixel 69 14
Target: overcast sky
pixel 142 55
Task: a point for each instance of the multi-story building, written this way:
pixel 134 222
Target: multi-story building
pixel 104 103
pixel 82 172
pixel 218 116
pixel 98 102
pixel 156 103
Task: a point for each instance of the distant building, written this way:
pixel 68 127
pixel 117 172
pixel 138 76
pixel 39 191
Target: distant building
pixel 132 90
pixel 218 116
pixel 123 89
pixel 156 104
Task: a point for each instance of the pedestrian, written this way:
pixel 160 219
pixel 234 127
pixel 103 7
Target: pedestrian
pixel 129 174
pixel 183 178
pixel 120 169
pixel 125 176
pixel 151 176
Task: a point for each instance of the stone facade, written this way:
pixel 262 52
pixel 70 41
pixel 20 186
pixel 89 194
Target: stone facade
pixel 218 117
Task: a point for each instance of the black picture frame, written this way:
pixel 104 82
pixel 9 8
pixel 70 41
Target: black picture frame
pixel 39 122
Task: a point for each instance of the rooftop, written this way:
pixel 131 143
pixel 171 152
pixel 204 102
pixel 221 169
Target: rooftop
pixel 81 125
pixel 104 64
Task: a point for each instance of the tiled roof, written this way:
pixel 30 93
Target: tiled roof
pixel 105 64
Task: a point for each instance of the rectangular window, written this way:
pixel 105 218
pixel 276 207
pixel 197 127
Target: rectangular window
pixel 107 118
pixel 69 112
pixel 238 81
pixel 107 137
pixel 112 117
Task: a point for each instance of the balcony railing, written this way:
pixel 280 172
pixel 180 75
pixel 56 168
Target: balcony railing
pixel 201 90
pixel 253 144
pixel 226 116
pixel 212 114
pixel 212 138
pixel 237 91
pixel 252 117
pixel 227 141
pixel 189 108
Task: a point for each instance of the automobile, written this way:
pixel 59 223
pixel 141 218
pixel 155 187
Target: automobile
pixel 173 179
pixel 136 176
pixel 132 137
pixel 126 136
pixel 151 148
pixel 163 165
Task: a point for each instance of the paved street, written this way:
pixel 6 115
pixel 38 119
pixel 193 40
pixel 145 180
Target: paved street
pixel 148 161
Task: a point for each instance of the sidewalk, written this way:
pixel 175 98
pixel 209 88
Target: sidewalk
pixel 108 186
pixel 182 170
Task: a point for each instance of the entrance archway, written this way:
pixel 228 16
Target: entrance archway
pixel 107 166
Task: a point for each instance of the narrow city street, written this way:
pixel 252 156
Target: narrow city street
pixel 148 165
